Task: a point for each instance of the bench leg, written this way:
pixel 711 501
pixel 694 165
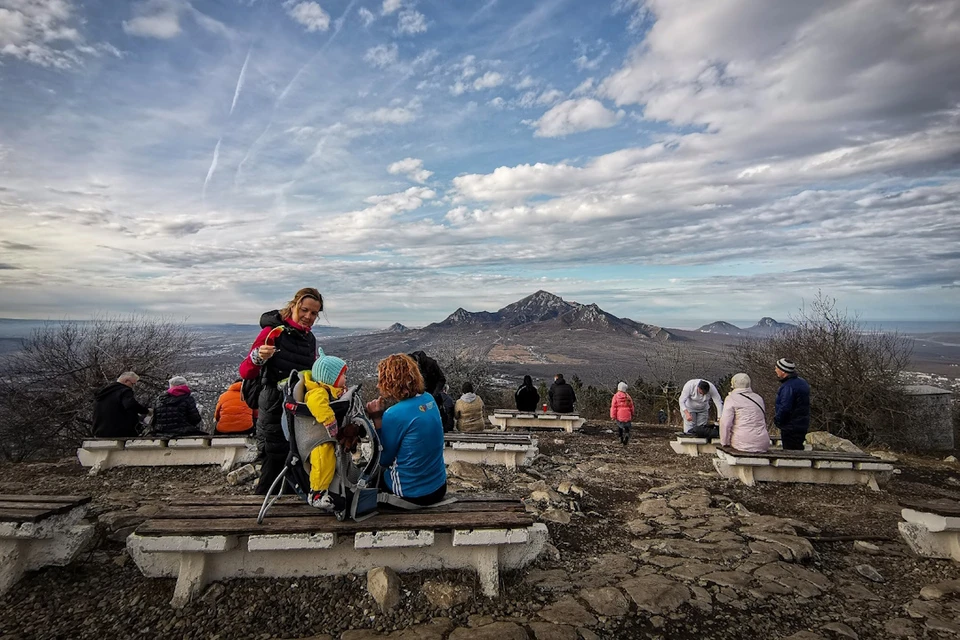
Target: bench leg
pixel 872 483
pixel 11 564
pixel 191 579
pixel 229 459
pixel 487 562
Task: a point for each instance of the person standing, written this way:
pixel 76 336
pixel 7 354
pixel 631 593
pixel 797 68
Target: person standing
pixel 527 396
pixel 561 395
pixel 695 407
pixel 116 411
pixel 446 415
pixel 793 405
pixel 621 410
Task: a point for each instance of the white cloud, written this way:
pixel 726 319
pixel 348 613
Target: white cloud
pixel 366 16
pixel 584 87
pixel 525 83
pixel 310 14
pixel 411 22
pixel 584 61
pixel 383 55
pixel 458 88
pixel 46 33
pixel 497 103
pixel 410 167
pixel 573 116
pixel 391 6
pixel 488 80
pixel 395 114
pixel 155 19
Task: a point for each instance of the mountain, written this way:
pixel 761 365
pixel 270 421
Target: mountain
pixel 396 327
pixel 722 328
pixel 768 326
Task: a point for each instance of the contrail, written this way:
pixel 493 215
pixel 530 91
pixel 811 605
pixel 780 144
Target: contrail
pixel 337 26
pixel 243 74
pixel 213 167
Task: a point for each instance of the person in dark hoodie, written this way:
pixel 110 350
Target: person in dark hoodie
pixel 175 412
pixel 116 411
pixel 561 395
pixel 284 344
pixel 527 396
pixel 434 381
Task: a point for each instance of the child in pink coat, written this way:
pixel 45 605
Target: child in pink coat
pixel 621 410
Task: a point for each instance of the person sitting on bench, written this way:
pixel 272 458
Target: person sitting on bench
pixel 695 407
pixel 175 413
pixel 743 423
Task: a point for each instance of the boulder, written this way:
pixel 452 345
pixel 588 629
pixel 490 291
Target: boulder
pixel 468 471
pixel 383 585
pixel 824 441
pixel 444 595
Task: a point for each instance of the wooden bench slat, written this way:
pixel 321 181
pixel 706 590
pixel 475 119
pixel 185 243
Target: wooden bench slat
pixel 207 500
pixel 301 510
pixel 939 506
pixel 839 456
pixel 50 500
pixel 328 524
pixel 24 515
pixel 52 507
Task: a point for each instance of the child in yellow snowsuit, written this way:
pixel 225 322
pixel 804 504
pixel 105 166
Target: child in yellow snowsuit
pixel 325 382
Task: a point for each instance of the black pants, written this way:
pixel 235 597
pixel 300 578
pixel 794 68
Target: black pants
pixel 793 439
pixel 271 466
pixel 430 498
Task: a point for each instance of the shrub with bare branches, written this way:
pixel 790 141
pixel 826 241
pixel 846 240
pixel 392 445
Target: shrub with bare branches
pixel 47 387
pixel 852 372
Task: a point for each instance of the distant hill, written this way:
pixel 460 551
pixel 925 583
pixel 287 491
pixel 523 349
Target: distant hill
pixel 396 327
pixel 766 326
pixel 722 328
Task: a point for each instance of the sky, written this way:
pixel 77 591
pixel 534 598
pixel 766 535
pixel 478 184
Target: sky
pixel 674 161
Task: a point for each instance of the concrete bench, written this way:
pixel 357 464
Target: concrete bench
pixel 507 419
pixel 932 528
pixel 817 467
pixel 40 531
pixel 226 451
pixel 202 539
pixel 690 445
pixel 511 450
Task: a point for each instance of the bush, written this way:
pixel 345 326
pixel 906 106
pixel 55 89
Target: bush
pixel 47 388
pixel 852 372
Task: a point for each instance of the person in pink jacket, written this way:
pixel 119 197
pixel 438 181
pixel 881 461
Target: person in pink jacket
pixel 743 423
pixel 621 410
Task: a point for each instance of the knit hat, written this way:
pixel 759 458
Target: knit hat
pixel 177 381
pixel 622 387
pixel 740 381
pixel 787 366
pixel 327 368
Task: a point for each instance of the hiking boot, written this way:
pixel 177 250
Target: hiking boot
pixel 321 500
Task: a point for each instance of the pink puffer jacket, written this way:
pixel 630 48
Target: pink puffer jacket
pixel 621 408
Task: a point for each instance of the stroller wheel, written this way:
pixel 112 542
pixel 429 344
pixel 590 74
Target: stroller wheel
pixel 341 515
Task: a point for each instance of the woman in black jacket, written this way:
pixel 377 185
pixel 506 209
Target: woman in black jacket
pixel 527 396
pixel 284 344
pixel 175 412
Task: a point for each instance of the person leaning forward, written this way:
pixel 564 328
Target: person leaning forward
pixel 695 407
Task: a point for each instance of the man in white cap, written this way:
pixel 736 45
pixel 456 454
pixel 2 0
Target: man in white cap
pixel 793 405
pixel 695 406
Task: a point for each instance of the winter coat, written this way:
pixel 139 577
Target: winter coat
pixel 447 408
pixel 232 413
pixel 621 407
pixel 433 383
pixel 175 414
pixel 528 398
pixel 469 413
pixel 562 397
pixel 793 405
pixel 116 412
pixel 743 423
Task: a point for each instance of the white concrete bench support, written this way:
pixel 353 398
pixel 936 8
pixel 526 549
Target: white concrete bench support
pixel 750 470
pixel 506 421
pixel 490 453
pixel 151 452
pixel 931 535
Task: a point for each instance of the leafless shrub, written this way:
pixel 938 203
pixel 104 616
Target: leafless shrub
pixel 852 372
pixel 667 367
pixel 47 388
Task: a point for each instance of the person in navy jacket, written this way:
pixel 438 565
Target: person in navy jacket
pixel 793 405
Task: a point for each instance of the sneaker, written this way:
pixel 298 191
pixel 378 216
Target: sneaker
pixel 321 500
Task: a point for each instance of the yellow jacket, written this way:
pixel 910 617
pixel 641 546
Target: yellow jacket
pixel 318 401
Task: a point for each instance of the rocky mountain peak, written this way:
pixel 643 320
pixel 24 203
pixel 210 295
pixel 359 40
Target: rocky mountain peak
pixel 396 327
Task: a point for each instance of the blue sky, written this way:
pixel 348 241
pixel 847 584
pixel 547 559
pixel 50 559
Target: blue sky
pixel 674 161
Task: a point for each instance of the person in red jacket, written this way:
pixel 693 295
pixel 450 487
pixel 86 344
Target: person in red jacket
pixel 232 414
pixel 621 410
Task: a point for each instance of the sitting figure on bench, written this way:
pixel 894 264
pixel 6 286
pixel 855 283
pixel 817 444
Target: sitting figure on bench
pixel 743 423
pixel 325 382
pixel 175 412
pixel 695 408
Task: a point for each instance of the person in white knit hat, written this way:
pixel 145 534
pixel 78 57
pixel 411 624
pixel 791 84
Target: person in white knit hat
pixel 621 410
pixel 743 424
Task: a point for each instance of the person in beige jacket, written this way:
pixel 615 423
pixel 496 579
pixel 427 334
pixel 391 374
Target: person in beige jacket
pixel 468 411
pixel 743 423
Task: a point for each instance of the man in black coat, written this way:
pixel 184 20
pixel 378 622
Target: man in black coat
pixel 527 396
pixel 116 411
pixel 561 395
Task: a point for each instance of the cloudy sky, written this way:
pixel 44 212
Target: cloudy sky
pixel 674 161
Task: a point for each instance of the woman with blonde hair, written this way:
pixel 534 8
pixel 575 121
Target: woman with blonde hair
pixel 743 423
pixel 284 344
pixel 411 432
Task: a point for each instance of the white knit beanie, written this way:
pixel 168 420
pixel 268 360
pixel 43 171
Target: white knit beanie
pixel 177 381
pixel 740 381
pixel 622 387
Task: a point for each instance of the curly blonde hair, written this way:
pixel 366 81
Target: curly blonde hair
pixel 306 292
pixel 399 377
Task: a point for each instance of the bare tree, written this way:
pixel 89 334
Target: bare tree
pixel 669 366
pixel 852 372
pixel 47 388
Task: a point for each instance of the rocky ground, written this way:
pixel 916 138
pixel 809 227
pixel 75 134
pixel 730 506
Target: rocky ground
pixel 645 544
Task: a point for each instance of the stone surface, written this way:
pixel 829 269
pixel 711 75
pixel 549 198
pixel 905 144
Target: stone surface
pixel 550 580
pixel 556 515
pixel 444 595
pixel 942 624
pixel 693 570
pixel 494 631
pixel 733 579
pixel 639 527
pixel 654 507
pixel 383 585
pixel 656 594
pixel 869 573
pixel 824 441
pixel 805 635
pixel 842 630
pixel 550 631
pixel 939 590
pixel 922 608
pixel 568 611
pixel 901 628
pixel 468 471
pixel 790 548
pixel 862 546
pixel 607 601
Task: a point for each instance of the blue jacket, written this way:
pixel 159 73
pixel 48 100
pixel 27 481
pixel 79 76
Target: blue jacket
pixel 412 437
pixel 793 405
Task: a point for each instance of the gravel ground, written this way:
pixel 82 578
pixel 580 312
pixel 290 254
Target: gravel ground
pixel 604 549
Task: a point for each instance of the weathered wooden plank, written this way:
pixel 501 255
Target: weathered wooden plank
pixel 839 456
pixel 323 523
pixel 939 506
pixel 54 499
pixel 303 510
pixel 208 500
pixel 52 507
pixel 23 515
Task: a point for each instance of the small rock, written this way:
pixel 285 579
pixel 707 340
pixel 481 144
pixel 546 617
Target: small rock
pixel 805 635
pixel 941 624
pixel 540 496
pixel 886 456
pixel 866 547
pixel 568 611
pixel 923 609
pixel 556 515
pixel 494 631
pixel 937 591
pixel 901 628
pixel 467 471
pixel 950 459
pixel 639 528
pixel 478 620
pixel 841 630
pixel 869 573
pixel 564 487
pixel 444 595
pixel 383 585
pixel 607 601
pixel 550 631
pixel 824 441
pixel 654 507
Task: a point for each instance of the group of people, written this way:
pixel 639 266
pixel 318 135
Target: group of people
pixel 561 397
pixel 743 415
pixel 118 414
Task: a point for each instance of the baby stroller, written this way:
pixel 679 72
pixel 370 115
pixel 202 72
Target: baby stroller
pixel 354 489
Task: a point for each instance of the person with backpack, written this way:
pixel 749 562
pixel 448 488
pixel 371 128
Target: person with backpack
pixel 175 412
pixel 527 396
pixel 284 344
pixel 743 423
pixel 621 411
pixel 232 415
